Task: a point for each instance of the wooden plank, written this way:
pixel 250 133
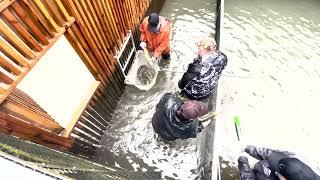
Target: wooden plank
pixel 7 64
pixel 122 16
pixel 63 10
pixel 94 43
pixel 97 17
pixel 30 116
pixel 112 24
pixel 86 31
pixel 29 106
pixel 115 15
pixel 24 73
pixel 29 23
pixel 21 30
pixel 111 61
pixel 86 136
pixel 80 109
pixel 14 55
pixel 102 107
pixel 25 130
pixel 52 9
pixel 89 131
pixel 5 3
pixel 5 77
pixel 92 125
pixel 3 87
pixel 46 14
pixel 84 56
pixel 99 114
pixel 15 40
pixel 37 13
pixel 88 51
pixel 92 117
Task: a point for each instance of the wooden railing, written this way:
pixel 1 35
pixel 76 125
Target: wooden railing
pixel 28 29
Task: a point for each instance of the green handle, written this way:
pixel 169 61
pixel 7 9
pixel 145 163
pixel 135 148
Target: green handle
pixel 237 126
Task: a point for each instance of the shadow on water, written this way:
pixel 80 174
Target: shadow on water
pixel 130 142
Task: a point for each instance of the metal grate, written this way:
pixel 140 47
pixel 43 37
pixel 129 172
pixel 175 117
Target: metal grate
pixel 126 54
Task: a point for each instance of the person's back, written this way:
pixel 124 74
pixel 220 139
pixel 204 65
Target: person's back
pixel 169 121
pixel 202 75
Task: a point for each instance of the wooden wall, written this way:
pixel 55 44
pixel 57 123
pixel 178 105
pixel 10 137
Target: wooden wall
pixel 100 29
pixel 96 29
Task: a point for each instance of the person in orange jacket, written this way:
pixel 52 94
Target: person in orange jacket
pixel 155 36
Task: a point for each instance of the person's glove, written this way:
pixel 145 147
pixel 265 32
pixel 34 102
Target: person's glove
pixel 154 59
pixel 143 44
pixel 155 63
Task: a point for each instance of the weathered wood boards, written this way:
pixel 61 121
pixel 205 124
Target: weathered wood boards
pixel 96 30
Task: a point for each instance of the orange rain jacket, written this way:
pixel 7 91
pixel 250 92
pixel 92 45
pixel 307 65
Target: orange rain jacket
pixel 158 43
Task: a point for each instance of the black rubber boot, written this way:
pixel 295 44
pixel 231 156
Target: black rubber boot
pixel 166 56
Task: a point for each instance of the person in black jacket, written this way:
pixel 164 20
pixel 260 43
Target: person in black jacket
pixel 176 119
pixel 204 72
pixel 274 165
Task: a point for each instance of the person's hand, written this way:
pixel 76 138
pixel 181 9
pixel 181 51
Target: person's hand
pixel 143 44
pixel 155 63
pixel 154 59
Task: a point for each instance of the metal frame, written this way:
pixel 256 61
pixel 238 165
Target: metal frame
pixel 216 171
pixel 123 47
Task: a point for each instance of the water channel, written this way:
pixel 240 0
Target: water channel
pixel 273 46
pixel 273 50
pixel 130 141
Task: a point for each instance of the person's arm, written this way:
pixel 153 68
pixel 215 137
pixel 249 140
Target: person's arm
pixel 142 31
pixel 258 152
pixel 188 76
pixel 163 45
pixel 246 172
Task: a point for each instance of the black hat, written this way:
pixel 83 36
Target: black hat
pixel 153 22
pixel 294 169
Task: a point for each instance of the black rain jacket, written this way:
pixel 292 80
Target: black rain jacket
pixel 166 123
pixel 202 76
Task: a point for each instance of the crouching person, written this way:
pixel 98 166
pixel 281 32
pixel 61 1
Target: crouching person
pixel 176 119
pixel 274 165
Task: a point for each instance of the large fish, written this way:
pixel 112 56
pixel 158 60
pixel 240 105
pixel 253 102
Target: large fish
pixel 145 74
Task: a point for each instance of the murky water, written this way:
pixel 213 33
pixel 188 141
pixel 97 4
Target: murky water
pixel 130 141
pixel 274 47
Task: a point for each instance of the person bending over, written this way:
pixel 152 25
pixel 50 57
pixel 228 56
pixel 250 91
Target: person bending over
pixel 274 165
pixel 176 119
pixel 155 36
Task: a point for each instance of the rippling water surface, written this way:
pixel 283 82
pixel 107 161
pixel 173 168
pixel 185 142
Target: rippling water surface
pixel 130 142
pixel 273 46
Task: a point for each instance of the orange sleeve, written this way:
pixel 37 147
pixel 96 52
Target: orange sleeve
pixel 163 45
pixel 142 31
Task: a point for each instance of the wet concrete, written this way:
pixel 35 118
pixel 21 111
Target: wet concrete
pixel 275 45
pixel 130 142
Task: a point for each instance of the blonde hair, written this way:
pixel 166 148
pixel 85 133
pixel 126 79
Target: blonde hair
pixel 207 43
